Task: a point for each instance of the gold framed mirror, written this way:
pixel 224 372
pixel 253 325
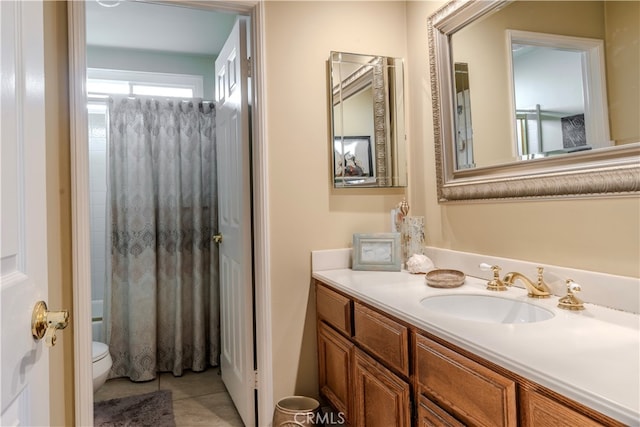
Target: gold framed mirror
pixel 475 108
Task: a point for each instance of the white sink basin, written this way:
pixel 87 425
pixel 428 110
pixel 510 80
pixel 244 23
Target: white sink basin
pixel 485 308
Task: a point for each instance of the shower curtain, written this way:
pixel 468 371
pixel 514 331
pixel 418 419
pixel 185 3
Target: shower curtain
pixel 162 294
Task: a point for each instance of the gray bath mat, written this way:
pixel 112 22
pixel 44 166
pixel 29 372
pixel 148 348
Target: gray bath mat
pixel 151 409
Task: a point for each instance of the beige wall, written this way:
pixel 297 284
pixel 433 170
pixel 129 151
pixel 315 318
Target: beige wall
pixel 59 206
pixel 601 234
pixel 306 213
pixel 623 69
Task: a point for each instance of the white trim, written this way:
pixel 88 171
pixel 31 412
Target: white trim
pixel 80 213
pixel 242 7
pixel 262 261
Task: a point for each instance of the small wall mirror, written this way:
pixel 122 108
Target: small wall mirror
pixel 367 121
pixel 535 98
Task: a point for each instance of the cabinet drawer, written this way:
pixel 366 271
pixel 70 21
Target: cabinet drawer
pixel 431 415
pixel 334 309
pixel 473 393
pixel 383 337
pixel 539 410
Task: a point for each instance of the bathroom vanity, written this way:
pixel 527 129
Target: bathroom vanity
pixel 384 359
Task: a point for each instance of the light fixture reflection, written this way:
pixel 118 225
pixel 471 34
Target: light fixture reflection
pixel 109 3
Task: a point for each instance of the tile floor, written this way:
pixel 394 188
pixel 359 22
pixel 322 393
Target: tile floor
pixel 199 399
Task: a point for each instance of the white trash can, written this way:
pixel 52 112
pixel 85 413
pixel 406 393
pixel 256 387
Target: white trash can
pixel 295 411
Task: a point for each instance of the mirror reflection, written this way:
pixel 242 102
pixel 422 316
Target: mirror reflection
pixel 552 119
pixel 491 145
pixel 367 121
pixel 539 79
pixel 552 78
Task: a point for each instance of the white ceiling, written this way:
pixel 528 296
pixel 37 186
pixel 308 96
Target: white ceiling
pixel 136 25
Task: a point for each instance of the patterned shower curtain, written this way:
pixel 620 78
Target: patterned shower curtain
pixel 162 309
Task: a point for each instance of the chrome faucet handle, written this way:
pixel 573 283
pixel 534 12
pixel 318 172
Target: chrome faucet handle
pixel 570 301
pixel 495 284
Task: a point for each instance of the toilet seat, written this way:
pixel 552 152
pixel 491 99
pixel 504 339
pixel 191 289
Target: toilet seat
pixel 98 351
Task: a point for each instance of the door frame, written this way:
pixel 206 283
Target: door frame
pixel 83 380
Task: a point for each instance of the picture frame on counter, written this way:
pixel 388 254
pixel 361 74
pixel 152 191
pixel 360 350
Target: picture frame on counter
pixel 376 252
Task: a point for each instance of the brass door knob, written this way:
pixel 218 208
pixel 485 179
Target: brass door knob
pixel 217 238
pixel 45 323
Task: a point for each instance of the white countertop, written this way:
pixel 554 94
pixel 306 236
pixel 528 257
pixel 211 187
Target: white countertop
pixel 591 356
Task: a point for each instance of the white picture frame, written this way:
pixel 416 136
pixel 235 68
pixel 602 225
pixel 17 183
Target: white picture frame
pixel 376 252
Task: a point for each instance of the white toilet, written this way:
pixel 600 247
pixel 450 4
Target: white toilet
pixel 101 364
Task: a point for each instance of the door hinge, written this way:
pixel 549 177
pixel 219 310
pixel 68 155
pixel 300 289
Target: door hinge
pixel 255 379
pixel 249 67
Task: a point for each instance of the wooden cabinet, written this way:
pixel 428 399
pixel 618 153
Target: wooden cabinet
pixel 364 389
pixel 382 399
pixel 473 393
pixel 380 371
pixel 334 368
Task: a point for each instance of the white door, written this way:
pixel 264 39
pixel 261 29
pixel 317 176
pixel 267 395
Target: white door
pixel 234 222
pixel 24 361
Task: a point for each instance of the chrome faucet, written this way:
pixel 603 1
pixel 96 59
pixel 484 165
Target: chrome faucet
pixel 536 290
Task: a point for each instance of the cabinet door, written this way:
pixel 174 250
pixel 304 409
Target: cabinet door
pixel 334 368
pixel 540 411
pixel 431 415
pixel 473 393
pixel 382 399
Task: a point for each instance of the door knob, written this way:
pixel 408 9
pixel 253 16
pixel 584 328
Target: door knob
pixel 45 323
pixel 217 238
